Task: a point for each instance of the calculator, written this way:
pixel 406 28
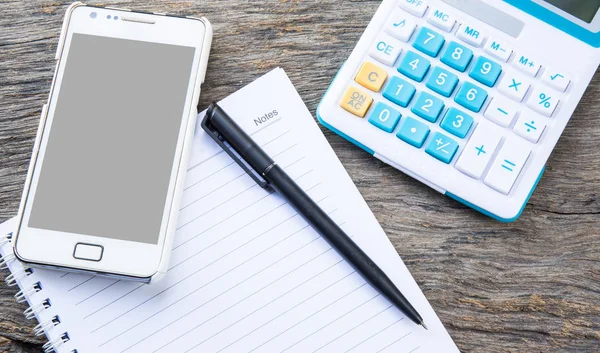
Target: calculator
pixel 467 96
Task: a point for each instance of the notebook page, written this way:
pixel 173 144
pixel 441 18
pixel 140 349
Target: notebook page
pixel 248 274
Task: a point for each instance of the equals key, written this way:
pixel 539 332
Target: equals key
pixel 501 111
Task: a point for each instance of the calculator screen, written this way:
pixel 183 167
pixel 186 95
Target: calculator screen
pixel 584 10
pixel 112 138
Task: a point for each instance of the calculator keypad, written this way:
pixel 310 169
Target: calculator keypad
pixel 413 132
pixel 471 96
pixel 384 117
pixel 414 66
pixel 485 71
pixel 371 76
pixel 401 25
pixel 386 49
pixel 468 99
pixel 399 91
pixel 429 42
pixel 457 122
pixel 428 106
pixel 457 56
pixel 442 81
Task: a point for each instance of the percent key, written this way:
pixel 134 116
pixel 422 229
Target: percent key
pixel 543 102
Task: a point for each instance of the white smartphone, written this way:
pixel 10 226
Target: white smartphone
pixel 108 165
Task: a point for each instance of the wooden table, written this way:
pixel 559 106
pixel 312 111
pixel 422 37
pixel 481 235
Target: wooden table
pixel 529 286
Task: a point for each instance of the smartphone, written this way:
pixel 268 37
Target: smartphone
pixel 108 165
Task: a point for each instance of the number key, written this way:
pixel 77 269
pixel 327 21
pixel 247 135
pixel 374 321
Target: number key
pixel 471 97
pixel 414 66
pixel 457 56
pixel 429 42
pixel 399 91
pixel 442 81
pixel 384 117
pixel 486 71
pixel 428 107
pixel 457 123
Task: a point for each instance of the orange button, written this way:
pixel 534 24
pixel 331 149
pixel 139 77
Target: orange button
pixel 371 76
pixel 356 101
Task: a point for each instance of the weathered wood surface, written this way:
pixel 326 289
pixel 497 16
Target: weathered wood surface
pixel 530 286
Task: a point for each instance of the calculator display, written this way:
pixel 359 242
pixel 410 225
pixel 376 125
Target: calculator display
pixel 584 10
pixel 113 137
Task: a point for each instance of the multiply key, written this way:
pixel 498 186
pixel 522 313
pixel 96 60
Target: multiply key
pixel 514 86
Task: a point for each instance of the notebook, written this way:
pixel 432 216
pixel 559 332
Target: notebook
pixel 247 273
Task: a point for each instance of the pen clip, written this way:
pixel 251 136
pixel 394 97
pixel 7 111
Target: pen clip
pixel 220 140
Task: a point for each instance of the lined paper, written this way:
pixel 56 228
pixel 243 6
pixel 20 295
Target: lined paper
pixel 247 273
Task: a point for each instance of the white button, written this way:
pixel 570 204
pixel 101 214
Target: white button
pixel 501 111
pixel 543 101
pixel 386 49
pixel 441 19
pixel 526 64
pixel 470 35
pixel 88 252
pixel 508 164
pixel 556 79
pixel 530 127
pixel 514 86
pixel 401 25
pixel 415 7
pixel 498 49
pixel 479 150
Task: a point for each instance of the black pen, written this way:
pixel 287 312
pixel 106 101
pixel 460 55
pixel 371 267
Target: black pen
pixel 255 161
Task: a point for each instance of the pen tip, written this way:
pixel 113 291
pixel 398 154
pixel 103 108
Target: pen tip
pixel 423 324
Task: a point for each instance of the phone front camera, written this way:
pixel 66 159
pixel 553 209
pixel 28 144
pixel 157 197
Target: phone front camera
pixel 93 15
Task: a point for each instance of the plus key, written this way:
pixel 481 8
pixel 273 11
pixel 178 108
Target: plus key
pixel 478 152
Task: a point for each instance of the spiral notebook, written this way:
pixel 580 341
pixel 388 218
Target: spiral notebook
pixel 247 273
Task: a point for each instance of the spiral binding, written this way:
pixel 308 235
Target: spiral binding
pixel 6 239
pixel 53 344
pixel 15 278
pixel 5 260
pixel 11 280
pixel 32 311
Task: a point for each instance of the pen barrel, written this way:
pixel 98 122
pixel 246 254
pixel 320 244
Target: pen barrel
pixel 231 133
pixel 338 240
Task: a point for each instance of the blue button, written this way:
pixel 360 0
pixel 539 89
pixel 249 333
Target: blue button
pixel 471 97
pixel 457 122
pixel 442 147
pixel 384 117
pixel 428 106
pixel 429 42
pixel 399 91
pixel 485 71
pixel 414 66
pixel 442 81
pixel 457 56
pixel 413 132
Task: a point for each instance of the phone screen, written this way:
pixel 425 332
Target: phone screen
pixel 111 145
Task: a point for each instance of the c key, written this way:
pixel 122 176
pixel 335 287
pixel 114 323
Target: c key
pixel 371 76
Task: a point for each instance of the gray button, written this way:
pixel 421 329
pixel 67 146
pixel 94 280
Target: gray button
pixel 88 252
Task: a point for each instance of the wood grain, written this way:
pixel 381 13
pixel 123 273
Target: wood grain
pixel 529 286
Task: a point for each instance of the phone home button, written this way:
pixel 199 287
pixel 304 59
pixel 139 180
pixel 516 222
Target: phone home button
pixel 89 252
